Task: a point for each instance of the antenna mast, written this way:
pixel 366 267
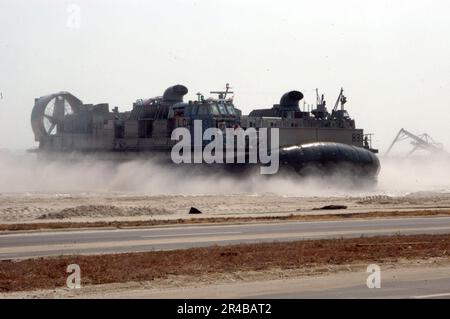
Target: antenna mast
pixel 223 94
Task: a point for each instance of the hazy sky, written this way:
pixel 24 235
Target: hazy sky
pixel 391 57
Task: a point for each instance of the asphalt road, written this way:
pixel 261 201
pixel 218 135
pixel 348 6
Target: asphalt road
pixel 416 289
pixel 420 282
pixel 37 244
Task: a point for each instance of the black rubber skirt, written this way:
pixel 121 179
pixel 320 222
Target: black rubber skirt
pixel 329 158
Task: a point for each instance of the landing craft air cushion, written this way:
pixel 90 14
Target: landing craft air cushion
pixel 309 141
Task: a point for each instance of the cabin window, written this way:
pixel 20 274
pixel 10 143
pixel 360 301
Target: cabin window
pixel 214 109
pixel 194 110
pixel 203 110
pixel 222 109
pixel 230 109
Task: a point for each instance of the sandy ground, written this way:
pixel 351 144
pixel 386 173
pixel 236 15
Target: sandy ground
pixel 31 207
pixel 232 285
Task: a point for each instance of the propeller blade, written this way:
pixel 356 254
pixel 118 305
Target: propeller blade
pixel 50 118
pixel 52 127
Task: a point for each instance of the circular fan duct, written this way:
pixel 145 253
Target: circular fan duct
pixel 49 111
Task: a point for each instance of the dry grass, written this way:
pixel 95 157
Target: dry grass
pixel 207 220
pixel 116 268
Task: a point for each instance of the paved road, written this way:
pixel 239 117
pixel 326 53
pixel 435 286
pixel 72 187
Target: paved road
pixel 23 245
pixel 427 282
pixel 417 289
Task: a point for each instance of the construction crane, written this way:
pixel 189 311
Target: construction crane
pixel 342 99
pixel 419 142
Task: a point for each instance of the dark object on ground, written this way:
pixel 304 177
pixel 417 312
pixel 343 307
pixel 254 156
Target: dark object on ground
pixel 194 210
pixel 332 207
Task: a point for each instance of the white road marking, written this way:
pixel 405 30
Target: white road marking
pixel 447 294
pixel 192 234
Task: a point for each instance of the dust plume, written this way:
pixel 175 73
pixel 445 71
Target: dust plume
pixel 415 174
pixel 22 172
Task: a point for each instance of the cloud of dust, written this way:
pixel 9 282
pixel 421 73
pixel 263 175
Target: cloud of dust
pixel 26 172
pixel 425 173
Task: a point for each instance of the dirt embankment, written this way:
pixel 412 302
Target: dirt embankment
pixel 32 208
pixel 49 273
pixel 222 220
pixel 96 211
